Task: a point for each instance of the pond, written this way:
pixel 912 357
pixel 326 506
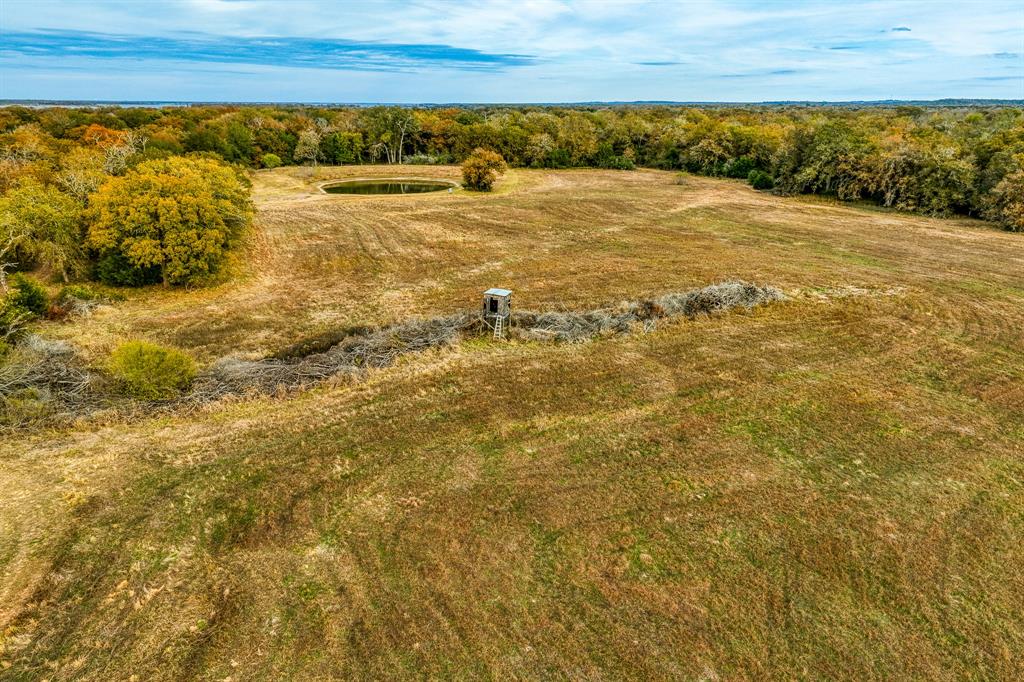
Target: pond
pixel 387 186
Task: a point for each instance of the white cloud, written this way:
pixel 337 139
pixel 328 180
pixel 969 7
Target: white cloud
pixel 585 49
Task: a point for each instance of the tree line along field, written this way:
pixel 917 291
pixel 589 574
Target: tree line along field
pixel 936 160
pixel 827 487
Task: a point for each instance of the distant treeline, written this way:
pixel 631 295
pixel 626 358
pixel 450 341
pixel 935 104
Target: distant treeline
pixel 939 161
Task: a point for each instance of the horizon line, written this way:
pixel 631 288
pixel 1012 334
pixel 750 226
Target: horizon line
pixel 4 102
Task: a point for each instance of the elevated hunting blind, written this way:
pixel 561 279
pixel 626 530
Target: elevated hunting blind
pixel 497 310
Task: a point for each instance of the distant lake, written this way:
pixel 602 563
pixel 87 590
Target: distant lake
pixel 40 104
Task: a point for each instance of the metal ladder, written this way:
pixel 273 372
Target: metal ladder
pixel 498 328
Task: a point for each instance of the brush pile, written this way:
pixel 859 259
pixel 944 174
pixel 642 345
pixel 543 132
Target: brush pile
pixel 370 349
pixel 42 376
pixel 576 327
pixel 350 356
pixel 46 377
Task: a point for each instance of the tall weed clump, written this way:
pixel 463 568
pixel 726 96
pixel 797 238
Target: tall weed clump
pixel 149 371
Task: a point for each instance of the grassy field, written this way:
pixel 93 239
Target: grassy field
pixel 827 488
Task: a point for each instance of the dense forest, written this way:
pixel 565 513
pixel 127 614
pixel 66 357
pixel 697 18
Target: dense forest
pixel 81 187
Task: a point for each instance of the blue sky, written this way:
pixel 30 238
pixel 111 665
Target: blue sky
pixel 522 51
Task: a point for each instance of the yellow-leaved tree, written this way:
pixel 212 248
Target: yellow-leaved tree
pixel 481 169
pixel 171 220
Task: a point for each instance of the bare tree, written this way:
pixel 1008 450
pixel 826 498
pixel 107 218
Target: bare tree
pixel 116 156
pixel 308 147
pixel 390 126
pixel 11 236
pixel 82 173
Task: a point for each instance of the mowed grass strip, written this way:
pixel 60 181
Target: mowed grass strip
pixel 829 487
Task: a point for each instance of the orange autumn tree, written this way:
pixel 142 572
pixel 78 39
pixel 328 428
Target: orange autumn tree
pixel 101 136
pixel 481 169
pixel 176 218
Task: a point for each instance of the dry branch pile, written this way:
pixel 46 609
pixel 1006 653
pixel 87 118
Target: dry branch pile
pixel 43 376
pixel 380 348
pixel 48 373
pixel 233 376
pixel 575 327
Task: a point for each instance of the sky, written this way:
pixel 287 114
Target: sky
pixel 432 51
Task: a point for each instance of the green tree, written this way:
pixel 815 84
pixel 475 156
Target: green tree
pixel 206 138
pixel 578 136
pixel 180 216
pixel 340 147
pixel 42 226
pixel 1006 201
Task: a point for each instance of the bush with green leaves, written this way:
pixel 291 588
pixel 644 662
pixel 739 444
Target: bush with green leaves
pixel 78 292
pixel 740 167
pixel 149 371
pixel 428 159
pixel 607 158
pixel 28 295
pixel 270 160
pixel 758 179
pixel 26 301
pixel 82 299
pixel 1006 200
pixel 12 321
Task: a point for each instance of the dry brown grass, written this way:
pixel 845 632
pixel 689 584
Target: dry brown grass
pixel 825 488
pixel 574 239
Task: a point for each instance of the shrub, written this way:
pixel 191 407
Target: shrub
pixel 620 163
pixel 78 292
pixel 481 169
pixel 557 158
pixel 148 371
pixel 270 160
pixel 27 295
pixel 12 321
pixel 739 168
pixel 79 299
pixel 607 158
pixel 758 179
pixel 428 159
